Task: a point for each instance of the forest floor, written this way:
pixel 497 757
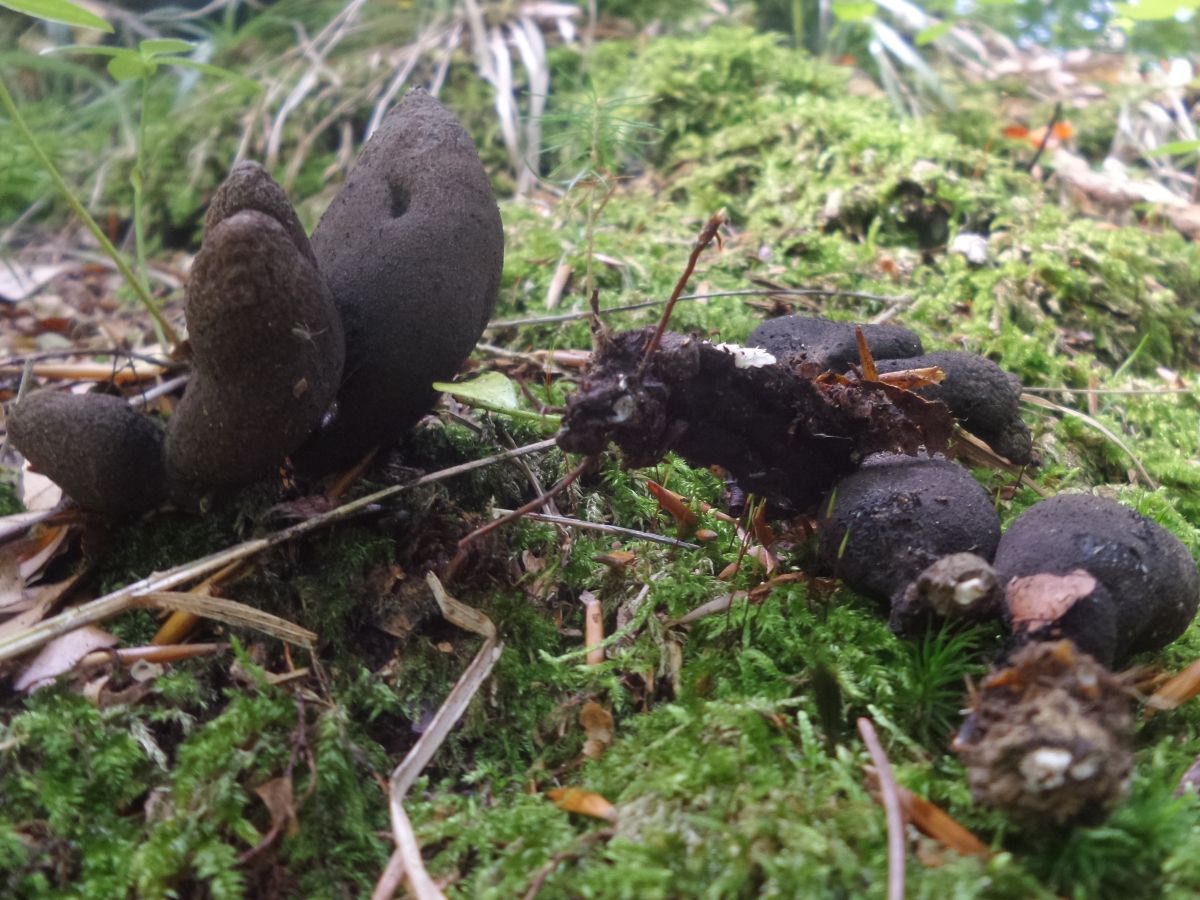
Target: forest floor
pixel 707 755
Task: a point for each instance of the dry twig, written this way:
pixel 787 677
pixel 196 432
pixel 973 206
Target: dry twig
pixel 604 528
pixel 891 804
pixel 128 596
pixel 406 862
pixel 711 231
pixel 708 295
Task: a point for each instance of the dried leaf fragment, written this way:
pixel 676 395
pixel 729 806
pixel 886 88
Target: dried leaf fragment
pixel 584 803
pixel 598 725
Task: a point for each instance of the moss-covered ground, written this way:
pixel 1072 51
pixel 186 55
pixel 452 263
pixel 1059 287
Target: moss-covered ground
pixel 734 768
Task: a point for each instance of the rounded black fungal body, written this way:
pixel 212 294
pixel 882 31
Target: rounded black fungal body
pixel 885 524
pixel 412 249
pixel 105 455
pixel 980 394
pixel 1148 584
pixel 249 186
pixel 267 355
pixel 828 344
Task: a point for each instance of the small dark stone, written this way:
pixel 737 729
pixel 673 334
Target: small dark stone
pixel 981 395
pixel 897 515
pixel 828 344
pixel 105 455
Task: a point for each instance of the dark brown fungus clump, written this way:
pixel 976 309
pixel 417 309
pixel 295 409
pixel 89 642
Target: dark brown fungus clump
pixel 412 249
pixel 266 341
pixel 781 431
pixel 828 344
pixel 980 394
pixel 1099 573
pixel 1048 737
pixel 896 516
pixel 105 456
pixel 961 586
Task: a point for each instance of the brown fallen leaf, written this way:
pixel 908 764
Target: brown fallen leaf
pixel 598 725
pixel 38 493
pixel 931 820
pixel 616 559
pixel 60 655
pixel 1040 599
pixel 870 373
pixel 914 379
pixel 676 505
pixel 277 795
pixel 40 601
pixel 584 803
pixel 44 547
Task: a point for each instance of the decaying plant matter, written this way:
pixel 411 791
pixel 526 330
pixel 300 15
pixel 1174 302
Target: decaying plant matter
pixel 786 433
pixel 982 396
pixel 1049 737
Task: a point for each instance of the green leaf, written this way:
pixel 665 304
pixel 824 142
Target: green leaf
pixel 58 11
pixel 130 67
pixel 932 33
pixel 1154 10
pixel 1175 148
pixel 495 393
pixel 88 50
pixel 160 46
pixel 853 10
pixel 185 63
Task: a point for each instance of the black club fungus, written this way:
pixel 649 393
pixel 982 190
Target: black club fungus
pixel 1116 583
pixel 412 248
pixel 828 344
pixel 105 455
pixel 888 522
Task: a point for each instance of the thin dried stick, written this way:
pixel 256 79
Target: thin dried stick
pixel 1043 403
pixel 1045 137
pixel 536 503
pixel 604 528
pixel 590 837
pixel 646 304
pixel 406 862
pixel 891 804
pixel 127 656
pixel 711 227
pixel 124 598
pixel 1067 390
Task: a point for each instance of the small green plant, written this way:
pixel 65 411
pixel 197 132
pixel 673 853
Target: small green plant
pixel 934 670
pixel 124 65
pixel 141 65
pixel 594 140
